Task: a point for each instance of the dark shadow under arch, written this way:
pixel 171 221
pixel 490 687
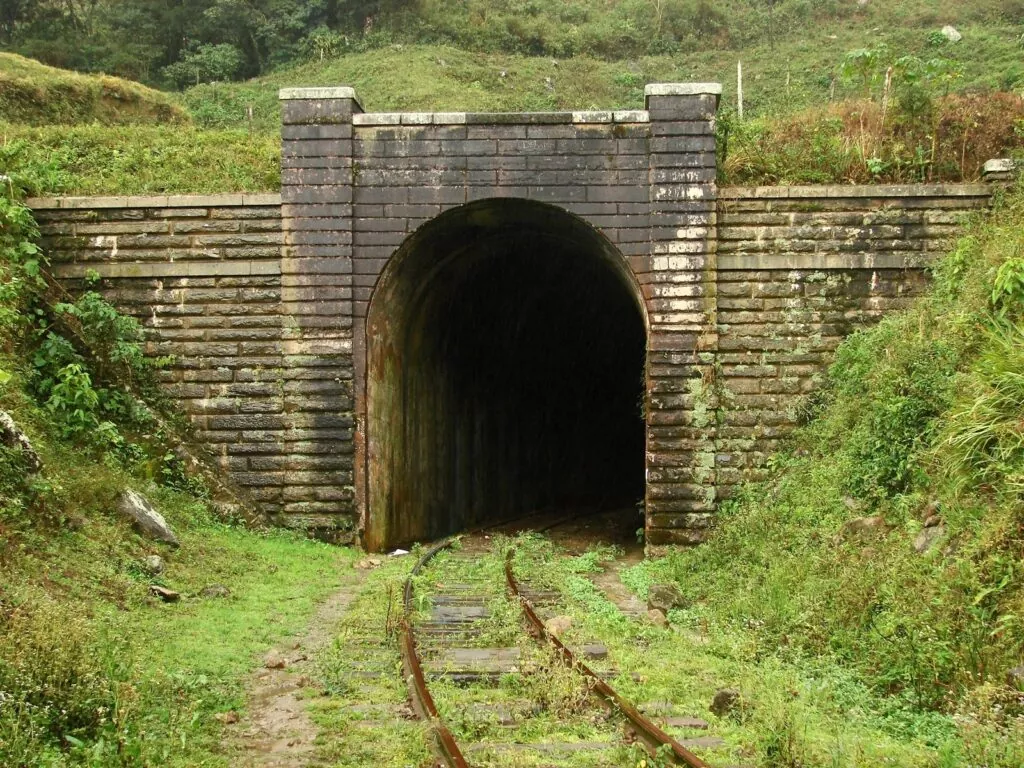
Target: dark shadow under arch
pixel 505 373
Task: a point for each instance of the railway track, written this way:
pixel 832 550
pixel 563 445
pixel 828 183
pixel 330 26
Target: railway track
pixel 497 685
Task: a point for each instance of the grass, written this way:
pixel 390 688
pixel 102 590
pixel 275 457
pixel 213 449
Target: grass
pixel 138 681
pixel 32 93
pixel 138 160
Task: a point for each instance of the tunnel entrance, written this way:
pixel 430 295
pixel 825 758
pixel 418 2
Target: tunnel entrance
pixel 505 374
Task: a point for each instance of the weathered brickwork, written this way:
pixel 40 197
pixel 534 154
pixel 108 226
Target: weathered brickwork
pixel 269 303
pixel 799 268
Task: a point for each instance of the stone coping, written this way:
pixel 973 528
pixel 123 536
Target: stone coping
pixel 682 89
pixel 319 94
pixel 862 190
pixel 501 118
pixel 157 201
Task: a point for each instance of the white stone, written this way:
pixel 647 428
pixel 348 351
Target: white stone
pixel 449 118
pixel 632 116
pixel 417 118
pixel 1000 165
pixel 950 32
pixel 683 89
pixel 147 520
pixel 319 94
pixel 377 118
pixel 591 117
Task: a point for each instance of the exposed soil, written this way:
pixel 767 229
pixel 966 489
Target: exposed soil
pixel 276 730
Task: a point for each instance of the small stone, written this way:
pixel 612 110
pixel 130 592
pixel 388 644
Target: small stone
pixel 928 538
pixel 228 718
pixel 12 436
pixel 368 563
pixel 153 565
pixel 215 590
pixel 595 651
pixel 275 660
pixel 167 595
pixel 558 625
pixel 726 700
pixel 665 597
pixel 952 34
pixel 864 528
pixel 932 520
pixel 147 520
pixel 1015 678
pixel 657 618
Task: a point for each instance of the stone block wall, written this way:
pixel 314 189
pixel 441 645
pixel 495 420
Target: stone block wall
pixel 799 269
pixel 204 276
pixel 264 301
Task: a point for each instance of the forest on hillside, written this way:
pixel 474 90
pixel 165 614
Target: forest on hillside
pixel 177 43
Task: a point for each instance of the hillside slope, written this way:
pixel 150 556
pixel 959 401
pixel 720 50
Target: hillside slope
pixel 35 94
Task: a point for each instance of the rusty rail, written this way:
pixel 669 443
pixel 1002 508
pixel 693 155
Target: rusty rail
pixel 444 742
pixel 652 737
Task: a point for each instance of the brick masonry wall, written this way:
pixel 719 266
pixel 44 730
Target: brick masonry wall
pixel 203 275
pixel 799 268
pixel 263 300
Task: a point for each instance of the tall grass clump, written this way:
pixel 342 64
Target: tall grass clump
pixel 920 425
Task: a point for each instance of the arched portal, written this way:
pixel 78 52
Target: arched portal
pixel 505 374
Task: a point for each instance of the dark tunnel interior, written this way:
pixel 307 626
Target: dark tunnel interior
pixel 506 354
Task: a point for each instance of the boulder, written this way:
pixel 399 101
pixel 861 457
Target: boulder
pixel 12 436
pixel 146 520
pixel 726 701
pixel 558 625
pixel 864 528
pixel 657 618
pixel 153 565
pixel 167 595
pixel 928 538
pixel 665 597
pixel 952 34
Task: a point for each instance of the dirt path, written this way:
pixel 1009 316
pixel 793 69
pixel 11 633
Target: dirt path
pixel 276 730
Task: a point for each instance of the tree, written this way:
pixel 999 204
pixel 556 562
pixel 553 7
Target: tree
pixel 205 64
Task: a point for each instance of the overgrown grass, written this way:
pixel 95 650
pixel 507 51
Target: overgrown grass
pixel 35 94
pixel 138 160
pixel 919 425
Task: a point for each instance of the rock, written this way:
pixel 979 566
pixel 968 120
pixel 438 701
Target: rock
pixel 215 590
pixel 147 520
pixel 12 436
pixel 167 595
pixel 932 520
pixel 928 538
pixel 228 718
pixel 1000 169
pixel 1015 678
pixel 726 701
pixel 275 660
pixel 665 597
pixel 950 33
pixel 657 618
pixel 558 626
pixel 153 565
pixel 368 563
pixel 863 528
pixel 596 651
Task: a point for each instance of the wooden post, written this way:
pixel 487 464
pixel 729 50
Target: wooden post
pixel 739 88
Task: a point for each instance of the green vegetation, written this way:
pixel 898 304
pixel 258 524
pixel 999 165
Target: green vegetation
pixel 889 541
pixel 94 670
pixel 138 160
pixel 34 94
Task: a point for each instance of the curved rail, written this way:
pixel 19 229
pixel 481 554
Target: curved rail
pixel 647 732
pixel 447 748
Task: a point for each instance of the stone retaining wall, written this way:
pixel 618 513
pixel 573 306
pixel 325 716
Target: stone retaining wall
pixel 265 305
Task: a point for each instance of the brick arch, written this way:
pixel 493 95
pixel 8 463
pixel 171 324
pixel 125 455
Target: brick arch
pixel 505 367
